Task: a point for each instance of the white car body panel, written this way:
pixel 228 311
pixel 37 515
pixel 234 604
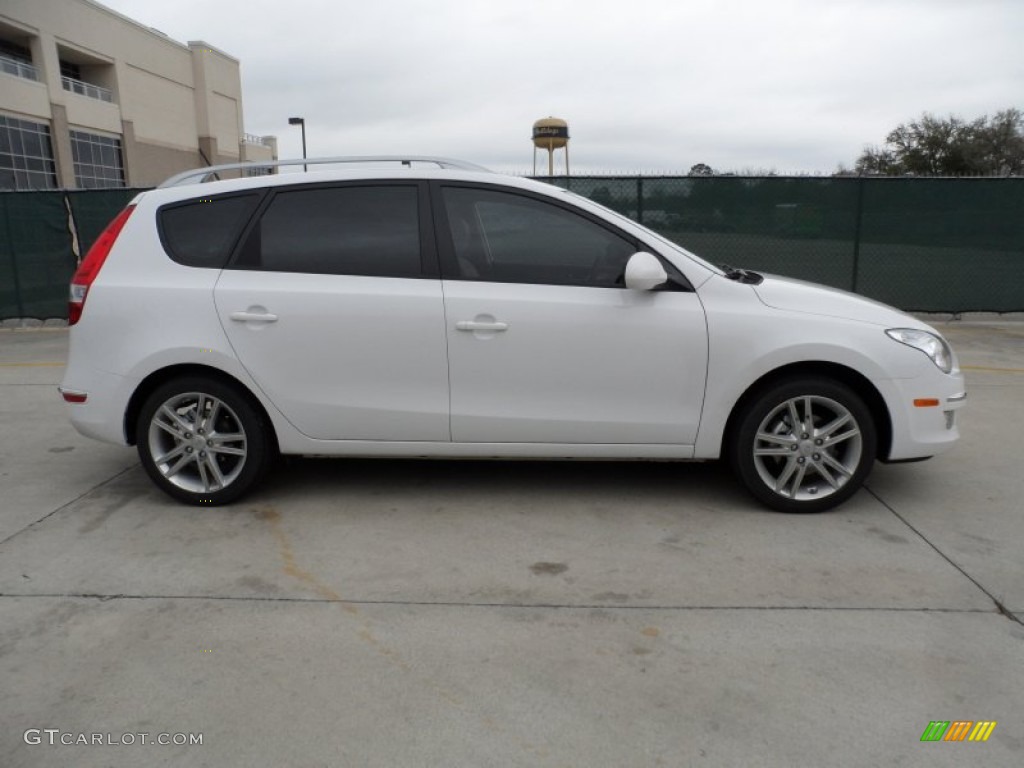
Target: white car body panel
pixel 575 365
pixel 349 358
pixel 801 296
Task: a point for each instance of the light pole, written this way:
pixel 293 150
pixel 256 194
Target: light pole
pixel 300 121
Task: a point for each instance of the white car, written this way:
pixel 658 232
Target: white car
pixel 450 312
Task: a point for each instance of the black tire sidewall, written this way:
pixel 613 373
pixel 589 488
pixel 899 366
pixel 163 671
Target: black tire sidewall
pixel 258 450
pixel 753 413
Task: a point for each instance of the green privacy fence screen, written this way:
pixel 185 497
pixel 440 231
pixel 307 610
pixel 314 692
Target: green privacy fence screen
pixel 92 210
pixel 41 237
pixel 933 245
pixel 938 245
pixel 35 256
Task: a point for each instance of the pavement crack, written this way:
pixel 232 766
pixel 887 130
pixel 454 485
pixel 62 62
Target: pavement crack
pixel 1007 612
pixel 1000 608
pixel 64 506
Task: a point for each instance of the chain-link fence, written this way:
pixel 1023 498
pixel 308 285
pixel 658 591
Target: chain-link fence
pixel 939 245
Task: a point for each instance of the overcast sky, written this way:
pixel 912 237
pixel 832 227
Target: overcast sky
pixel 645 85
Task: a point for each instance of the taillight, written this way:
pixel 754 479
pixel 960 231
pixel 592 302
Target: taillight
pixel 90 266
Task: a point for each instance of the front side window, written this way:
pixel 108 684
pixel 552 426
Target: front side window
pixel 371 230
pixel 97 160
pixel 510 238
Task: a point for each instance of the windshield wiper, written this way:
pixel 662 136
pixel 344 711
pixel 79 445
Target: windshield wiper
pixel 742 275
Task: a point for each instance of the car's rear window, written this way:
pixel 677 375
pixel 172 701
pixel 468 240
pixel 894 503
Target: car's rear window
pixel 352 230
pixel 201 232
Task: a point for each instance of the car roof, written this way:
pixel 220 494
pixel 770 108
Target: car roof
pixel 185 191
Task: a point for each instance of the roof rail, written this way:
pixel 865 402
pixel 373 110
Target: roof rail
pixel 213 170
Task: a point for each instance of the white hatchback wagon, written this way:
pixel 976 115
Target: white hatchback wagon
pixel 450 312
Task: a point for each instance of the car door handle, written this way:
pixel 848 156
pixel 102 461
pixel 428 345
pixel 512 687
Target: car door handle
pixel 477 325
pixel 259 317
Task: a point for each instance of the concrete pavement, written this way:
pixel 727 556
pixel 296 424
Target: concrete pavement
pixel 388 613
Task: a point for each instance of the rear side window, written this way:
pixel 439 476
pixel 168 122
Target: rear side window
pixel 202 232
pixel 371 230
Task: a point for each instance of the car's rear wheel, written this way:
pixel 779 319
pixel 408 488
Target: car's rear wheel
pixel 804 444
pixel 201 441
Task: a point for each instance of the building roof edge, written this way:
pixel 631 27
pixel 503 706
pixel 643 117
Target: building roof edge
pixel 152 31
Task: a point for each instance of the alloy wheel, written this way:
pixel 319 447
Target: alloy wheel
pixel 197 442
pixel 807 447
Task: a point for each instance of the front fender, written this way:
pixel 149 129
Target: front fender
pixel 748 341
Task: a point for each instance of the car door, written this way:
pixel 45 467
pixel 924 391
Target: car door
pixel 545 342
pixel 333 304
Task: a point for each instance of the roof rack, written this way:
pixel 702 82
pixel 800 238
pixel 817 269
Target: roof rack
pixel 408 160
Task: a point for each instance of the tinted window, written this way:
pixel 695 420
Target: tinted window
pixel 202 232
pixel 504 237
pixel 340 231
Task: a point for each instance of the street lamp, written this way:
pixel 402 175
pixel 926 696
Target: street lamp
pixel 300 121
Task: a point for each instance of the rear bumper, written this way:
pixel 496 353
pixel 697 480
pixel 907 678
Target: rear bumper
pixel 101 416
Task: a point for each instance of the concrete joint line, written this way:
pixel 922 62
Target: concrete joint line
pixel 100 597
pixel 1000 608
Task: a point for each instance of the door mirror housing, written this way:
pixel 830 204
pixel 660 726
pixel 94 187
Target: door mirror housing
pixel 644 272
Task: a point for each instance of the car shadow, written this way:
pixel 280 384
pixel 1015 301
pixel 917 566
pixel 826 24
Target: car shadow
pixel 658 481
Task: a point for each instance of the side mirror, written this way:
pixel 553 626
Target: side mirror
pixel 644 272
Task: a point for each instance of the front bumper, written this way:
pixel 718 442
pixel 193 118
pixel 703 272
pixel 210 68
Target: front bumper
pixel 924 414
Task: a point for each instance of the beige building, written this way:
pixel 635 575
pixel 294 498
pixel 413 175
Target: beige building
pixel 91 98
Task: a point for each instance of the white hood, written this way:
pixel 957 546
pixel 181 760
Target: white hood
pixel 801 296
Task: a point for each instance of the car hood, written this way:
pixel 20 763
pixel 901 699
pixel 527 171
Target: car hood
pixel 800 296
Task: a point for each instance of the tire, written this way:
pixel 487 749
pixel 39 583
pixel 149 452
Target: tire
pixel 205 460
pixel 804 444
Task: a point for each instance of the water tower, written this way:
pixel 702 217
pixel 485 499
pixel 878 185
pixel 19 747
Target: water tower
pixel 551 133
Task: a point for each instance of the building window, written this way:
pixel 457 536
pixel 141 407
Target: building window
pixel 26 155
pixel 70 69
pixel 17 60
pixel 14 51
pixel 97 160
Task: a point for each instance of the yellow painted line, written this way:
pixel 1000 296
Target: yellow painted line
pixel 31 365
pixel 990 369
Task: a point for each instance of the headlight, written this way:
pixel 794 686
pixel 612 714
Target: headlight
pixel 934 346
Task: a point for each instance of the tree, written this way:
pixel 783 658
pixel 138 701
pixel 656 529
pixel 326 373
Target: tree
pixel 933 146
pixel 701 169
pixel 1000 145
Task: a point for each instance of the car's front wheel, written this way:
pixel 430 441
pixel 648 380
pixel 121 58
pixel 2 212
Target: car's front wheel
pixel 201 441
pixel 804 444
